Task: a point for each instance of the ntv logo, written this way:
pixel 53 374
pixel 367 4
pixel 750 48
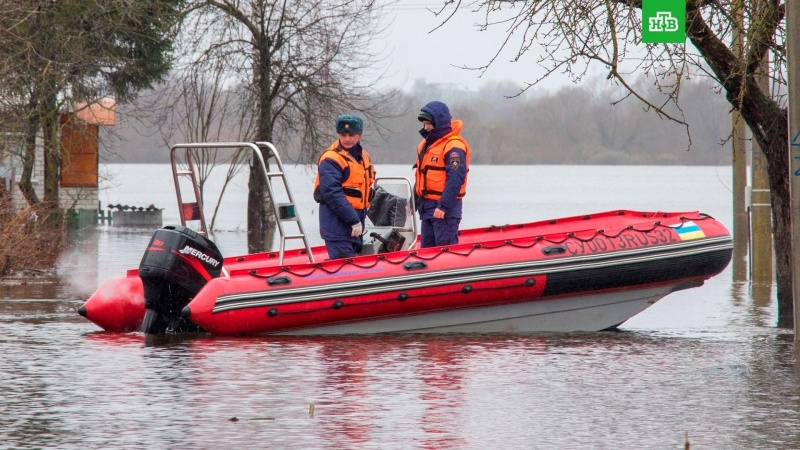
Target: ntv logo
pixel 664 21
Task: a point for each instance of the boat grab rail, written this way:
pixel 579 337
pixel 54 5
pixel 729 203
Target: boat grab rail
pixel 258 149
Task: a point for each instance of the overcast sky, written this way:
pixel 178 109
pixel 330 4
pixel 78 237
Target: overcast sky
pixel 416 51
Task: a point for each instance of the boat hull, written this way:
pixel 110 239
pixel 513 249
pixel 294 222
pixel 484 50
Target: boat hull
pixel 585 313
pixel 117 306
pixel 585 273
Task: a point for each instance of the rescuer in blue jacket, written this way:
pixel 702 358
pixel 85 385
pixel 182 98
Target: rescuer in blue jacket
pixel 343 188
pixel 441 175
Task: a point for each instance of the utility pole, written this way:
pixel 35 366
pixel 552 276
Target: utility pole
pixel 741 227
pixel 793 71
pixel 760 208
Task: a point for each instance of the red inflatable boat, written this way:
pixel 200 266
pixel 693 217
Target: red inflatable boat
pixel 583 273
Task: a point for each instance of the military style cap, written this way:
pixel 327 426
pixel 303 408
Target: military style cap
pixel 349 124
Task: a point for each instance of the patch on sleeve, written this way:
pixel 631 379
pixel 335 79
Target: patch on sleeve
pixel 454 160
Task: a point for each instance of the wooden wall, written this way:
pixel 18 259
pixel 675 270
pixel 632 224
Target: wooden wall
pixel 79 153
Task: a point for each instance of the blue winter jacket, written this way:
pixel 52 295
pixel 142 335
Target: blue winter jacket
pixel 336 215
pixel 449 203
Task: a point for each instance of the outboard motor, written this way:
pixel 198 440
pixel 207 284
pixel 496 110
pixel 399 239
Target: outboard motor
pixel 178 262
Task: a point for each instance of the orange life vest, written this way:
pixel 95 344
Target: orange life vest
pixel 431 175
pixel 358 186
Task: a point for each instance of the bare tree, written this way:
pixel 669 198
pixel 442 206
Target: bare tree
pixel 569 37
pixel 201 106
pixel 299 63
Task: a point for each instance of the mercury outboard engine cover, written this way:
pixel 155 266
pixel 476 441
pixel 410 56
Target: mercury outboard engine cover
pixel 178 262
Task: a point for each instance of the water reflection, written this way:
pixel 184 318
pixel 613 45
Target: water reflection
pixel 728 385
pixel 122 340
pixel 22 289
pixel 770 402
pixel 443 371
pixel 762 311
pixel 585 390
pixel 348 382
pixel 739 260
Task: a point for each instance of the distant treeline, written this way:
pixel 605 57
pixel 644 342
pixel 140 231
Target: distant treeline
pixel 581 124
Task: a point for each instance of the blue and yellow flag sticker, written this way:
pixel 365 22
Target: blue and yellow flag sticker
pixel 688 231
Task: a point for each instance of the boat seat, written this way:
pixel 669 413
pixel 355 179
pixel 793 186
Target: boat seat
pixel 384 240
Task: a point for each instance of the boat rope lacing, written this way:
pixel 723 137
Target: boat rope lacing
pixel 447 250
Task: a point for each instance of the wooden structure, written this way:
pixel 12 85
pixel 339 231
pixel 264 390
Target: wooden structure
pixel 79 134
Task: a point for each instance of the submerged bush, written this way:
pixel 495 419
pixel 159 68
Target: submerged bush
pixel 31 239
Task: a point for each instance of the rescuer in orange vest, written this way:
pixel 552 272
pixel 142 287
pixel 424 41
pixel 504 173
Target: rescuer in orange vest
pixel 343 188
pixel 441 175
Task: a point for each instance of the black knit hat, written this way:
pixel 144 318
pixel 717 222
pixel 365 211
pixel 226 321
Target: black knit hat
pixel 425 115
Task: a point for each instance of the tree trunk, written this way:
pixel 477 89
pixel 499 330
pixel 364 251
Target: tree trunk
pixel 260 212
pixel 780 199
pixel 52 160
pixel 260 215
pixel 28 160
pixel 769 125
pixel 770 128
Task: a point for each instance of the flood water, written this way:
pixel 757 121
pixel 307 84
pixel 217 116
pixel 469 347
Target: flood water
pixel 705 364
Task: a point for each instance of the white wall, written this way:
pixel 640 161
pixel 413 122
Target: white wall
pixel 77 198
